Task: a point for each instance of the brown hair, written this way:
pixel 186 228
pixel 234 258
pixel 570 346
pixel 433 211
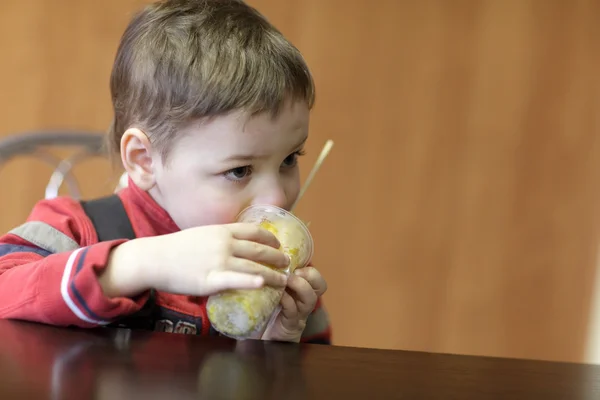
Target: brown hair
pixel 185 60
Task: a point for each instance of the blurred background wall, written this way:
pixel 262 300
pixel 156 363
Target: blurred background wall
pixel 458 210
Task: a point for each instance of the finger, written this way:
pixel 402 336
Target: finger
pixel 224 280
pixel 260 253
pixel 254 233
pixel 271 277
pixel 314 278
pixel 289 310
pixel 303 293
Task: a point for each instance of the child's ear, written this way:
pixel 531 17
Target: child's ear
pixel 136 155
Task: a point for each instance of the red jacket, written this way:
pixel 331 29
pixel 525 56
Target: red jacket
pixel 49 268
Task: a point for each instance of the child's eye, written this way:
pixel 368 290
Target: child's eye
pixel 239 173
pixel 292 160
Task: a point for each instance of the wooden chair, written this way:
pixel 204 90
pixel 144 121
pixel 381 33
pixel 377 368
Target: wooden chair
pixel 36 144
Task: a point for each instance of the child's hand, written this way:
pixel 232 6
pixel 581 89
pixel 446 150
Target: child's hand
pixel 196 262
pixel 304 287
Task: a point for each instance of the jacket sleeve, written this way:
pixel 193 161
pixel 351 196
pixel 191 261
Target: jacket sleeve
pixel 49 268
pixel 318 326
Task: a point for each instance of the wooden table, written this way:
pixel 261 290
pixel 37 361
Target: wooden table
pixel 42 362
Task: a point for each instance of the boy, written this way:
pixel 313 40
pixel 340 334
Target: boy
pixel 211 112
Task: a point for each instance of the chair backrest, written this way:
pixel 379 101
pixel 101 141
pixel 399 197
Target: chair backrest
pixel 36 144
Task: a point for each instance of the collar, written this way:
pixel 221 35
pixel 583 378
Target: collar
pixel 147 217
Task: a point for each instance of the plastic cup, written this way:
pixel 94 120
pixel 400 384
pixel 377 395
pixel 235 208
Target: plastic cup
pixel 245 314
pixel 292 233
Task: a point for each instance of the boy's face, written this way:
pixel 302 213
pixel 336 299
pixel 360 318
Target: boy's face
pixel 219 167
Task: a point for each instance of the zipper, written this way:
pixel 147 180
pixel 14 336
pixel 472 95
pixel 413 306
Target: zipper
pixel 205 320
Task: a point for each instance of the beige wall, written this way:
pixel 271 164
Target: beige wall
pixel 458 209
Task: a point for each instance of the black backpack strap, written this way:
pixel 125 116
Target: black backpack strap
pixel 111 222
pixel 109 218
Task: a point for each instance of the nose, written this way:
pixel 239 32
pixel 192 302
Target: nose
pixel 273 194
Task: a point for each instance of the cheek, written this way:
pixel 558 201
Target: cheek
pixel 220 212
pixel 209 210
pixel 201 206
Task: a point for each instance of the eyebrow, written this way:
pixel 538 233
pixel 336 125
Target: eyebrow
pixel 250 157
